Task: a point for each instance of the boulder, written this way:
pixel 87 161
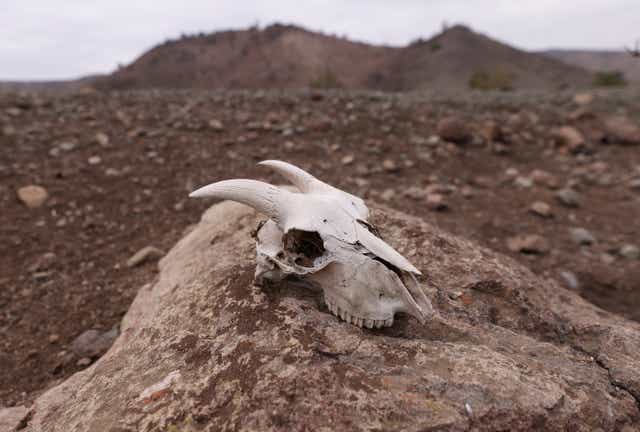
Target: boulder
pixel 202 349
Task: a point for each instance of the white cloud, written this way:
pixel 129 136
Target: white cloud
pixel 42 39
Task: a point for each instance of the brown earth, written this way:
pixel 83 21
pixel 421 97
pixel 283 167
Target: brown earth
pixel 118 168
pixel 286 56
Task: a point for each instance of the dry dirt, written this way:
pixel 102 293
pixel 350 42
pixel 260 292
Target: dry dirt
pixel 118 168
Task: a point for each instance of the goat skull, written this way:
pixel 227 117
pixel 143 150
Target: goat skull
pixel 321 236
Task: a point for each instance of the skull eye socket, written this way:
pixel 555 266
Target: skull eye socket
pixel 306 246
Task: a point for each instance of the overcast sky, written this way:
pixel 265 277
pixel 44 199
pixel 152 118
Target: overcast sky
pixel 49 39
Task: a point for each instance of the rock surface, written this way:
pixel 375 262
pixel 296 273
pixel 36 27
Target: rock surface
pixel 203 349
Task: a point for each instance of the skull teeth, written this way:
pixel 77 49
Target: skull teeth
pixel 360 322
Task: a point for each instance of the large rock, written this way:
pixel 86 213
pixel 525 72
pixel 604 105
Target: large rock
pixel 203 349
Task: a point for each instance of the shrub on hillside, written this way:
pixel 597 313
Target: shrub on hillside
pixel 327 79
pixel 497 79
pixel 613 78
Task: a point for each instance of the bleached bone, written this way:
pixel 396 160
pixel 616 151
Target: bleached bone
pixel 321 237
pixel 305 212
pixel 307 183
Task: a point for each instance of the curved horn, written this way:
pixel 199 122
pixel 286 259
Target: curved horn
pixel 307 183
pixel 265 198
pixel 296 176
pixel 382 250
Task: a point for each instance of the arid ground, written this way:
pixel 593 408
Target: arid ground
pixel 517 172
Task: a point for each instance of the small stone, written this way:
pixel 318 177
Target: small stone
pixel 415 192
pixel 634 184
pixel 289 145
pixel 491 131
pixel 33 196
pixel 54 338
pixel 568 197
pixel 435 202
pixel 93 343
pixel 388 194
pixel 630 251
pixel 583 98
pixel 607 258
pixel 143 255
pixel 528 244
pixel 13 111
pixel 94 160
pixel 433 140
pixel 544 178
pixel 570 137
pixel 523 182
pixel 102 139
pixel 541 209
pixel 620 129
pixel 512 173
pixel 84 361
pixel 467 192
pixel 581 236
pixel 454 129
pixel 67 146
pixel 8 130
pixel 347 160
pixel 570 279
pixel 389 165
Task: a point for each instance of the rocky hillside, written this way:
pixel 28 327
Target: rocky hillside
pixel 598 61
pixel 283 56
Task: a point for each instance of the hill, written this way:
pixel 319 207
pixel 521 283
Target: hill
pixel 286 56
pixel 597 61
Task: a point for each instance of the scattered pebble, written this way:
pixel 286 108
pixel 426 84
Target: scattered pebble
pixel 523 182
pixel 583 98
pixel 102 139
pixel 143 255
pixel 568 197
pixel 33 196
pixel 454 129
pixel 570 137
pixel 13 111
pixel 435 202
pixel 84 361
pixel 620 129
pixel 347 160
pixel 528 243
pixel 389 165
pixel 544 178
pixel 388 194
pixel 93 343
pixel 541 209
pixel 581 236
pixel 94 160
pixel 630 251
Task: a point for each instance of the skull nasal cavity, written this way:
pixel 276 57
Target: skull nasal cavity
pixel 308 245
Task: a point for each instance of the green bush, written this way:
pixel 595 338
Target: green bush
pixel 497 79
pixel 327 79
pixel 613 78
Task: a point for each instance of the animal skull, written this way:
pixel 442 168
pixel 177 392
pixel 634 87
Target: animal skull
pixel 321 236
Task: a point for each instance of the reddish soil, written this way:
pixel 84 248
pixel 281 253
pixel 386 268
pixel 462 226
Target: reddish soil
pixel 62 266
